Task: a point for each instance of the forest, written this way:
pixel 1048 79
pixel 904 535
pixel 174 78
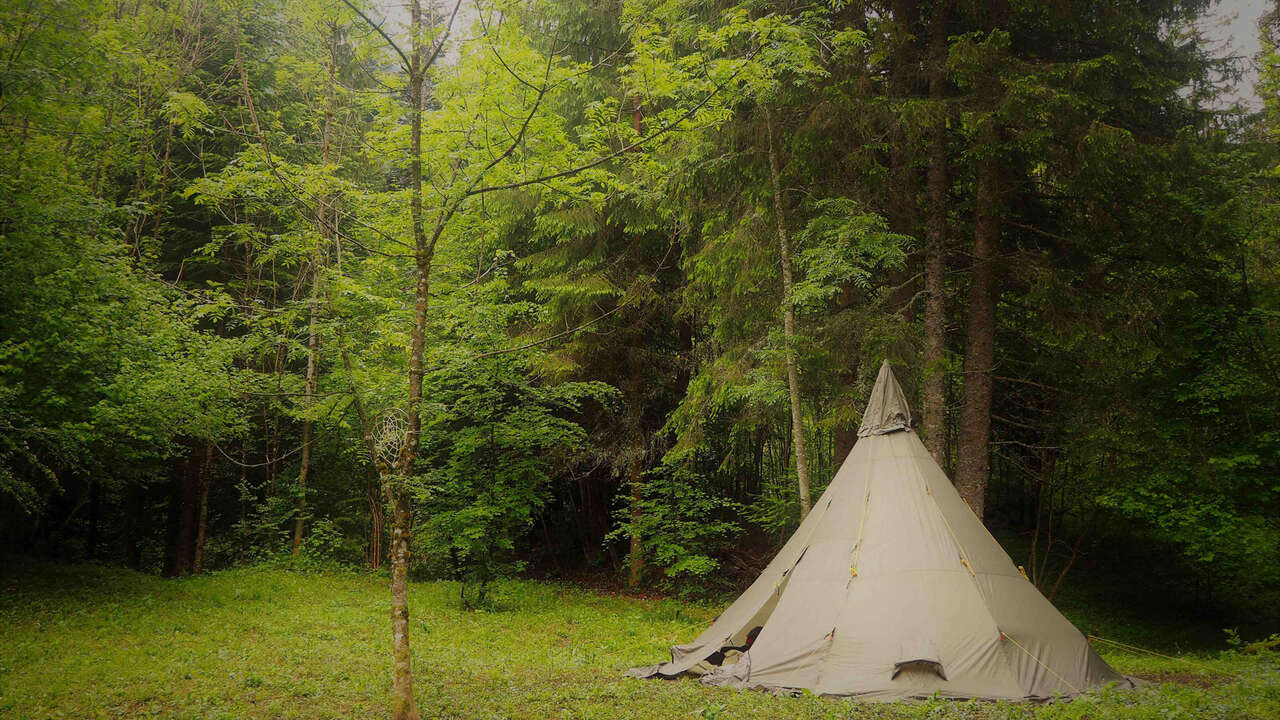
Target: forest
pixel 501 304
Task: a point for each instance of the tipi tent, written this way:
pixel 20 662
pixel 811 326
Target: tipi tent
pixel 891 588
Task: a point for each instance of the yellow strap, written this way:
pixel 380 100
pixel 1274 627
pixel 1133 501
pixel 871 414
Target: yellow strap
pixel 1046 667
pixel 862 525
pixel 1136 648
pixel 1199 666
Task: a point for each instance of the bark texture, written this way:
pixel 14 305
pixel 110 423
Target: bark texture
pixel 637 514
pixel 91 542
pixel 202 515
pixel 327 230
pixel 934 390
pixel 183 509
pixel 973 456
pixel 134 502
pixel 842 439
pixel 375 533
pixel 403 704
pixel 904 80
pixel 308 430
pixel 788 321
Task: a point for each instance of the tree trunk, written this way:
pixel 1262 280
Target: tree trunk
pixel 163 187
pixel 182 516
pixel 269 445
pixel 403 704
pixel 132 518
pixel 91 542
pixel 1067 565
pixel 843 438
pixel 788 322
pixel 309 389
pixel 934 395
pixel 1043 480
pixel 317 259
pixel 243 491
pixel 973 453
pixel 202 523
pixel 375 533
pixel 903 82
pixel 903 181
pixel 381 477
pixel 637 514
pixel 101 162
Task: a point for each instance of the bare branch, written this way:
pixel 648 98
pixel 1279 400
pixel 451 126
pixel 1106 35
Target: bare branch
pixel 621 151
pixel 558 335
pixel 435 53
pixel 408 66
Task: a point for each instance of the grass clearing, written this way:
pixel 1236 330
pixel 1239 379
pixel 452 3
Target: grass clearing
pixel 92 642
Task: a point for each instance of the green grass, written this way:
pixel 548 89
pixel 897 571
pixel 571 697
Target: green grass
pixel 91 642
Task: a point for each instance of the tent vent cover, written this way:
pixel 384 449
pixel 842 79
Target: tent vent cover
pixel 887 410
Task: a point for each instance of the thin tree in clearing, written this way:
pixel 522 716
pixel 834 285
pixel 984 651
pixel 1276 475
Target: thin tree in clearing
pixel 395 473
pixel 788 320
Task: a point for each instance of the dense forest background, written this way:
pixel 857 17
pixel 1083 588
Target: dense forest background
pixel 598 289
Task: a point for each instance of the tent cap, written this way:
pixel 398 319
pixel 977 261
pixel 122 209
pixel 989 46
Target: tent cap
pixel 887 410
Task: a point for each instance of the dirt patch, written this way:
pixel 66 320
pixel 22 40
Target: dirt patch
pixel 1199 680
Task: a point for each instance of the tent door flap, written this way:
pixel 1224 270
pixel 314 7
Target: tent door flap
pixel 918 654
pixel 928 665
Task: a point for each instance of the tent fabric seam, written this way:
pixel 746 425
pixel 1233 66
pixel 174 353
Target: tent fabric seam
pixel 973 576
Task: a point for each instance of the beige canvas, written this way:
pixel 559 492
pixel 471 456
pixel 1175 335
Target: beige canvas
pixel 892 588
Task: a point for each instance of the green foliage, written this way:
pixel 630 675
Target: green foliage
pixel 325 546
pixel 491 439
pixel 681 520
pixel 100 362
pixel 843 246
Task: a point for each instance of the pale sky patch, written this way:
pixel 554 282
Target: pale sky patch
pixel 1230 26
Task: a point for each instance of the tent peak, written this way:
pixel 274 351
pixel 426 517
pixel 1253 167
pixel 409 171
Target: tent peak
pixel 887 410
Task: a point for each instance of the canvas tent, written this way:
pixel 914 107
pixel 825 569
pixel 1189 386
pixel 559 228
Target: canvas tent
pixel 891 588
